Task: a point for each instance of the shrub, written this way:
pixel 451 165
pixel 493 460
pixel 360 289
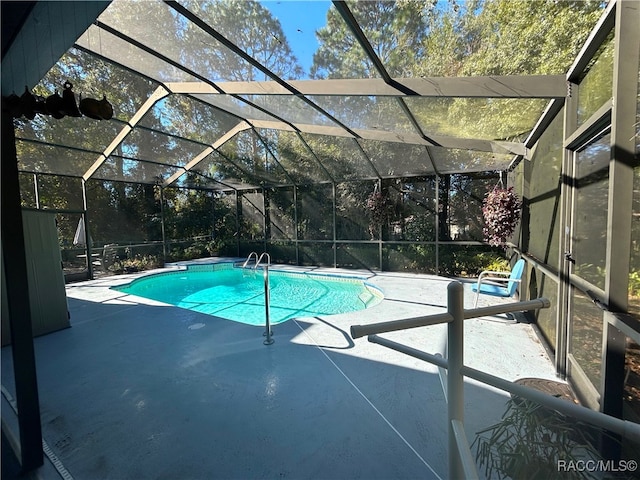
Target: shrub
pixel 469 262
pixel 532 440
pixel 136 264
pixel 634 284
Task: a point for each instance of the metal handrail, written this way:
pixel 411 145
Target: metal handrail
pixel 459 452
pixel 267 333
pixel 259 260
pixel 252 254
pixel 269 340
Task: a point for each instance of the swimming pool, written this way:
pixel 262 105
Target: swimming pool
pixel 237 294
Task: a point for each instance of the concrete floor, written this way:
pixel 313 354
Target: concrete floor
pixel 139 390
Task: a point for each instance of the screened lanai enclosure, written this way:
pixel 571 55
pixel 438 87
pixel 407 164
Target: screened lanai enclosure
pixel 225 138
pixel 360 135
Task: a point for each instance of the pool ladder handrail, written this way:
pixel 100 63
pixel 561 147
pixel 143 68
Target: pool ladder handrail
pixel 269 340
pixel 246 262
pixel 260 260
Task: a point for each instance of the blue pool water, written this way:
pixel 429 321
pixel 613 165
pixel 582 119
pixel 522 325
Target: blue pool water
pixel 238 294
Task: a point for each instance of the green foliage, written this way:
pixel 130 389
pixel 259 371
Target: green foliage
pixel 419 228
pixel 282 252
pixel 597 85
pixel 496 264
pixel 254 30
pixel 535 38
pixel 357 256
pixel 123 212
pixel 531 440
pixel 315 212
pixel 395 29
pixel 188 213
pixel 594 274
pixel 634 284
pixel 464 199
pixel 449 38
pixel 413 39
pixel 198 249
pixel 377 208
pixel 136 264
pixel 461 261
pixel 454 260
pixel 413 258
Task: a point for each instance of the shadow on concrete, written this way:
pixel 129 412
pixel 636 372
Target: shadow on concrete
pixel 130 391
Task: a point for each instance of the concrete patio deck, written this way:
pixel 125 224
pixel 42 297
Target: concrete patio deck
pixel 136 389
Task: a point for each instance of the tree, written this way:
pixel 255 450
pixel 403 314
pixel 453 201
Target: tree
pixel 498 37
pixel 520 37
pixel 394 29
pixel 412 38
pixel 253 29
pixel 256 32
pixel 454 33
pixel 188 213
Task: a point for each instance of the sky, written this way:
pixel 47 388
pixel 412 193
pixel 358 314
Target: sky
pixel 300 19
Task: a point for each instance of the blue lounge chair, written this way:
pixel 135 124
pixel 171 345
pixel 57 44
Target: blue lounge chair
pixel 499 284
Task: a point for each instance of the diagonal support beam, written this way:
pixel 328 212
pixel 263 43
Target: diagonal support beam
pixel 159 93
pixel 207 151
pixel 185 12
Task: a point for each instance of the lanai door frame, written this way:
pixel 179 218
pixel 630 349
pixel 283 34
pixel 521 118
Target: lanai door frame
pixel 616 120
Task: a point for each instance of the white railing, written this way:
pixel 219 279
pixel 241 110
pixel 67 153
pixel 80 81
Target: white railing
pixel 461 463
